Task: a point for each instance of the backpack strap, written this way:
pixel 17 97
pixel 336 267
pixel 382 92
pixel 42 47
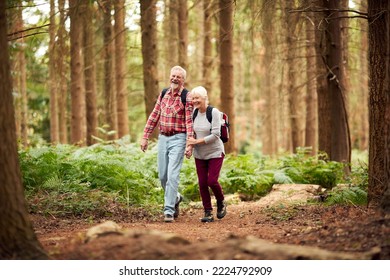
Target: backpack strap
pixel 209 114
pixel 195 114
pixel 183 95
pixel 164 91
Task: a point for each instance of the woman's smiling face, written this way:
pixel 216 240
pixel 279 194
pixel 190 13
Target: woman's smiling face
pixel 198 101
pixel 199 98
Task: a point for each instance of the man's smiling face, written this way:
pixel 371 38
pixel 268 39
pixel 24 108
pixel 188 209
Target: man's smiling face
pixel 176 79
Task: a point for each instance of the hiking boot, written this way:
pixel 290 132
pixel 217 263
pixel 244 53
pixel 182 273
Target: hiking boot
pixel 221 209
pixel 208 217
pixel 177 209
pixel 168 218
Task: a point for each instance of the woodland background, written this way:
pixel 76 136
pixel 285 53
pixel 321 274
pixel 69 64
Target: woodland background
pixel 291 75
pixel 273 83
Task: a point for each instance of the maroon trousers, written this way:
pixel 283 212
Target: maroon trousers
pixel 208 174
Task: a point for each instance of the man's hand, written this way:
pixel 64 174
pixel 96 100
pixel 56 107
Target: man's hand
pixel 144 144
pixel 188 151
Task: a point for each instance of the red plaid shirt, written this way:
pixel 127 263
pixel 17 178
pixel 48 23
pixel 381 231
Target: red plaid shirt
pixel 171 115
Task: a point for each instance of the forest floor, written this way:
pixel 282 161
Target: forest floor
pixel 354 230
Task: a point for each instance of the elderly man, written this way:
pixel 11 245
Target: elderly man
pixel 173 115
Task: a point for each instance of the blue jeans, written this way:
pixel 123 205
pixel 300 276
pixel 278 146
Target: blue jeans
pixel 169 161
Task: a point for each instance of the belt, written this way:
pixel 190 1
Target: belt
pixel 170 133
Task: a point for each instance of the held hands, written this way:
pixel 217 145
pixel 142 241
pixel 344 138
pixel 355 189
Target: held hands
pixel 190 146
pixel 188 151
pixel 144 144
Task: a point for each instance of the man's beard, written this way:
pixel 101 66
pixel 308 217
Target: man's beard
pixel 174 86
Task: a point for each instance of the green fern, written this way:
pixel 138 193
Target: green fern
pixel 281 177
pixel 348 195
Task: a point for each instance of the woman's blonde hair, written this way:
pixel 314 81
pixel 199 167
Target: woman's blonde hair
pixel 202 92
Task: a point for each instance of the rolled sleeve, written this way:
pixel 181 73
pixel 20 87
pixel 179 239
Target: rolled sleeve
pixel 188 116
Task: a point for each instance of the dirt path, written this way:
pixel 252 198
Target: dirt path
pixel 347 229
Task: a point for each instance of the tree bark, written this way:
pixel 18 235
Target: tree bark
pixel 20 80
pixel 207 46
pixel 363 127
pixel 340 137
pixel 78 126
pixel 294 94
pixel 311 92
pixel 149 55
pixel 62 69
pixel 323 109
pixel 183 34
pixel 269 124
pixel 90 72
pixel 379 103
pixel 17 237
pixel 109 82
pixel 54 125
pixel 173 35
pixel 120 71
pixel 226 67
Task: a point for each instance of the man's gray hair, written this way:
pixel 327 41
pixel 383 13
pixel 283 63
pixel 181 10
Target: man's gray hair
pixel 181 69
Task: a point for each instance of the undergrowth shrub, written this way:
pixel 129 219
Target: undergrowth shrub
pixel 355 189
pixel 302 168
pixel 72 180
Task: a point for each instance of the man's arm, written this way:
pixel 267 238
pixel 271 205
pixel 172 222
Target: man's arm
pixel 151 123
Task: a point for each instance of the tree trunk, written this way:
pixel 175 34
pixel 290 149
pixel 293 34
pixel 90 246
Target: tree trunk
pixel 379 103
pixel 294 94
pixel 120 68
pixel 109 92
pixel 226 67
pixel 340 137
pixel 62 69
pixel 207 46
pixel 90 72
pixel 323 108
pixel 173 35
pixel 54 126
pixel 183 34
pixel 149 55
pixel 363 127
pixel 269 124
pixel 20 81
pixel 17 237
pixel 345 38
pixel 78 129
pixel 311 93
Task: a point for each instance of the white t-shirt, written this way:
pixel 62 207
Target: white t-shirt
pixel 213 147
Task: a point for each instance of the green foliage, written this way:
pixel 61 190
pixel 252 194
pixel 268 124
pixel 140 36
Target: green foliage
pixel 347 195
pixel 108 170
pixel 304 169
pixel 189 181
pixel 244 174
pixel 64 179
pixel 355 191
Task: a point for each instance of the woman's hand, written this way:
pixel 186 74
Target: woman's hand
pixel 192 141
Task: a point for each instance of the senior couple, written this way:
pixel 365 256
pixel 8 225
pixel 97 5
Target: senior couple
pixel 181 135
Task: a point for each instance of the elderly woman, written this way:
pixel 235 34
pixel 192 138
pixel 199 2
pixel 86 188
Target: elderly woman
pixel 208 152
